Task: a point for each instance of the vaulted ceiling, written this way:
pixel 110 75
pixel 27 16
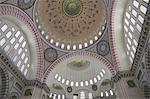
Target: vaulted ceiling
pixel 67 42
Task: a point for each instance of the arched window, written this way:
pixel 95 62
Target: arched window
pixel 20 41
pixel 133 21
pixel 14 95
pixel 147 91
pixel 28 92
pixel 15 45
pixel 125 36
pixel 43 97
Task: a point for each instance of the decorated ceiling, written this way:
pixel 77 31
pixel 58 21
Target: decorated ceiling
pixel 71 24
pixel 68 44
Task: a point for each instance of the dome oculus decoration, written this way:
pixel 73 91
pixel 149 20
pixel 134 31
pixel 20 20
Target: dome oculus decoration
pixel 25 4
pixel 72 7
pixel 50 54
pixel 70 24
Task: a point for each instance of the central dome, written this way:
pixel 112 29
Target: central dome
pixel 71 24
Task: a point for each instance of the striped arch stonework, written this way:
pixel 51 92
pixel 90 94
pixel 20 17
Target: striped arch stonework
pixel 112 36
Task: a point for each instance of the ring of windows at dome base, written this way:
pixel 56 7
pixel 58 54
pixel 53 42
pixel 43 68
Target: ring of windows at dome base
pixel 83 83
pixel 54 73
pixel 89 95
pixel 59 96
pixel 102 94
pixel 107 93
pixel 71 31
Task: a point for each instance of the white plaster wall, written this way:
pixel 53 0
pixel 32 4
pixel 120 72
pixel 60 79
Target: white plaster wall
pixel 119 30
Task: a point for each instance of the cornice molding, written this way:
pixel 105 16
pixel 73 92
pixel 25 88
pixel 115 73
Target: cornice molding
pixel 122 74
